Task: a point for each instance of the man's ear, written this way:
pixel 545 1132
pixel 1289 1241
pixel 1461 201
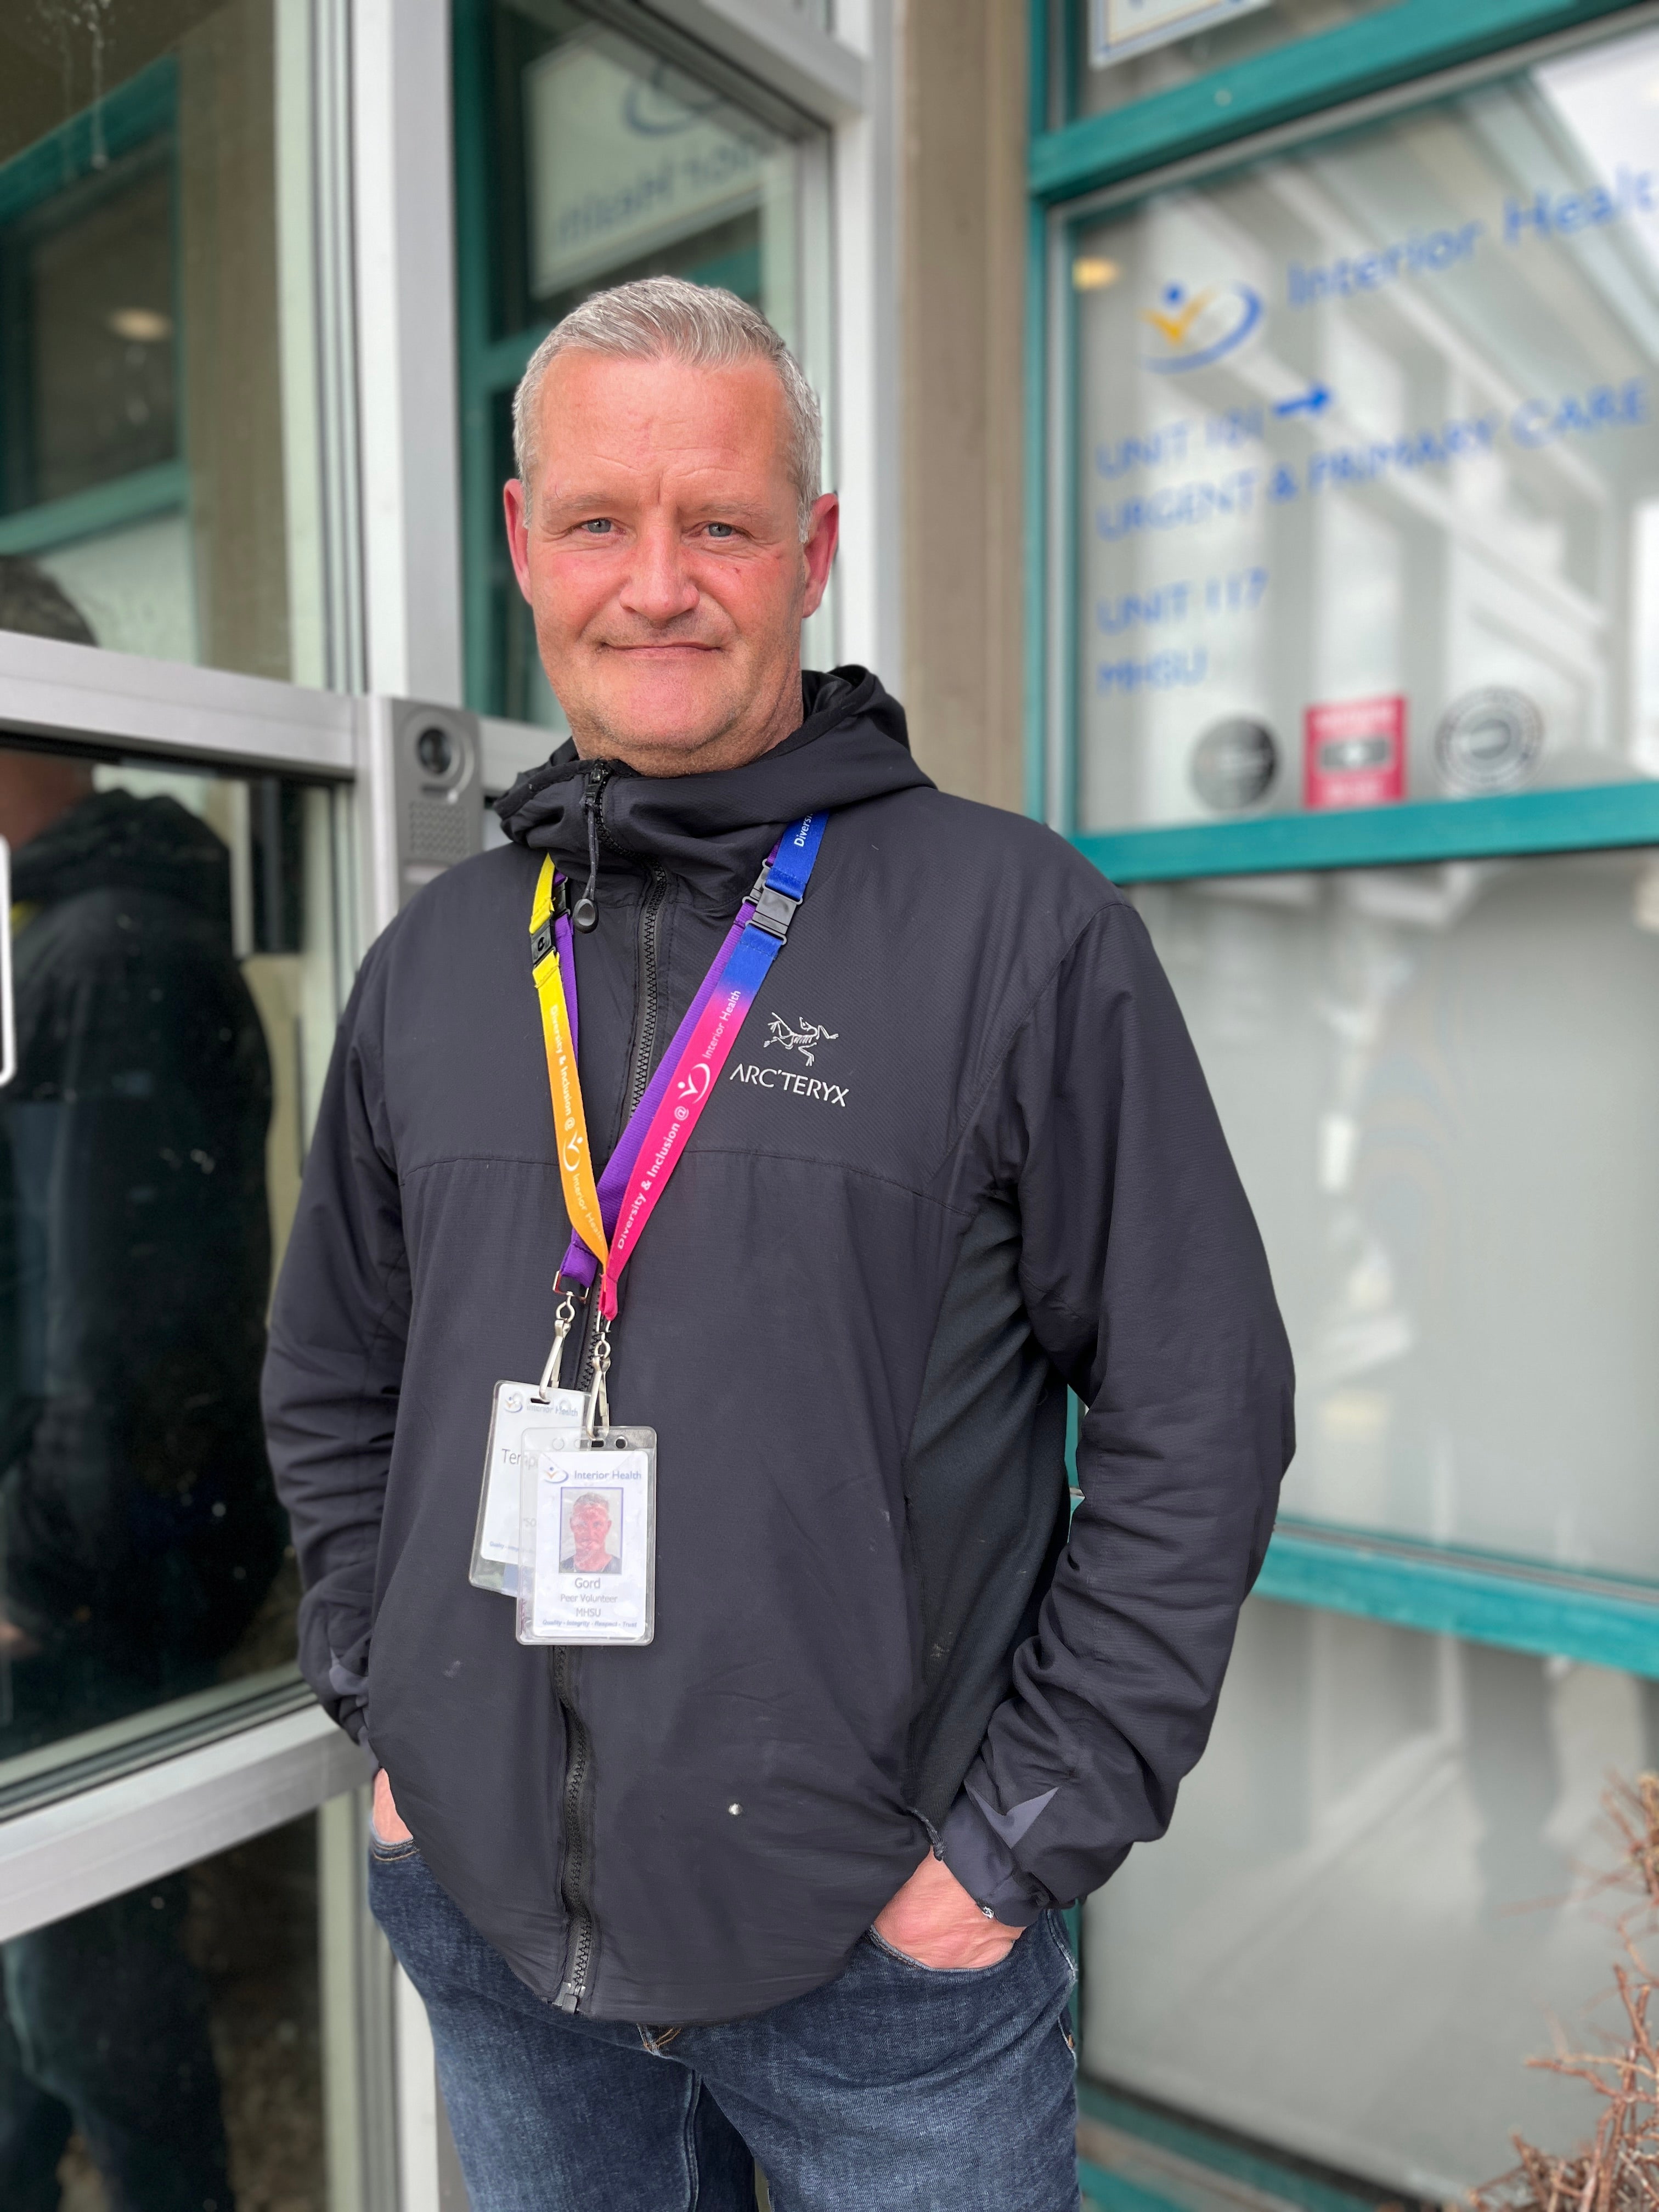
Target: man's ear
pixel 515 506
pixel 818 550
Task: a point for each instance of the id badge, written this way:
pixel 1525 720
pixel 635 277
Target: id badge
pixel 587 1540
pixel 524 1418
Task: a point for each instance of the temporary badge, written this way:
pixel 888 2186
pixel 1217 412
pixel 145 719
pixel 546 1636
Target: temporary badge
pixel 528 1419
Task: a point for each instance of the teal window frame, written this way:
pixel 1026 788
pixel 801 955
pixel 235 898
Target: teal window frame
pixel 1478 1596
pixel 144 109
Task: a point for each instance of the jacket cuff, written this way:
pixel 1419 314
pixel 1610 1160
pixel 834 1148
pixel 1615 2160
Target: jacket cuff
pixel 985 1867
pixel 352 1715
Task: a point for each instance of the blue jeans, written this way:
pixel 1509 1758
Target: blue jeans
pixel 895 2089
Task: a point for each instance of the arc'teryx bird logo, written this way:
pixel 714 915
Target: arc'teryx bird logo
pixel 805 1040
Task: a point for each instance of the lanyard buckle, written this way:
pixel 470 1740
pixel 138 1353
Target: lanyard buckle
pixel 541 944
pixel 773 912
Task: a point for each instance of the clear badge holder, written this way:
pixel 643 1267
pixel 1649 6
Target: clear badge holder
pixel 526 1418
pixel 587 1531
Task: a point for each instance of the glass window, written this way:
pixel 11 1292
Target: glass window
pixel 178 951
pixel 166 2047
pixel 1368 484
pixel 1121 51
pixel 1371 1905
pixel 159 400
pixel 609 160
pixel 1440 1091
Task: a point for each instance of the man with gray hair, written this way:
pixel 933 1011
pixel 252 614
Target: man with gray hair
pixel 866 1126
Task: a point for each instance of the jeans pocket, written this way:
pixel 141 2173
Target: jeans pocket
pixel 939 1973
pixel 386 1854
pixel 1060 1936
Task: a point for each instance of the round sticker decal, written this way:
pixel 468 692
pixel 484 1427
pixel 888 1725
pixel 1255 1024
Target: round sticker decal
pixel 1489 740
pixel 1234 763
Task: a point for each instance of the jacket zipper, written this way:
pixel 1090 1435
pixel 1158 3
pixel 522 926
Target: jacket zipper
pixel 579 1744
pixel 645 1032
pixel 579 1760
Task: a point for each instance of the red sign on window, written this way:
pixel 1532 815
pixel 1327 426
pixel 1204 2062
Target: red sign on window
pixel 1356 753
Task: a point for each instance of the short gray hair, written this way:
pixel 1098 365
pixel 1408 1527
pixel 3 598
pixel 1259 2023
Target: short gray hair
pixel 659 317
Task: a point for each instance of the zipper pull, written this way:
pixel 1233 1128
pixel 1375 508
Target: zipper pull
pixel 585 915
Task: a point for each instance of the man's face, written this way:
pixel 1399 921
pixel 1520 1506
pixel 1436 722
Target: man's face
pixel 660 553
pixel 590 1525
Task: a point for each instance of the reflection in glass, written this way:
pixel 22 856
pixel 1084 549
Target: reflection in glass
pixel 160 411
pixel 1369 1907
pixel 1368 456
pixel 173 948
pixel 615 161
pixel 97 280
pixel 1441 1095
pixel 165 2049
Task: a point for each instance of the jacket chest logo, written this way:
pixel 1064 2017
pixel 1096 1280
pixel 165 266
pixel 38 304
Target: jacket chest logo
pixel 805 1040
pixel 804 1037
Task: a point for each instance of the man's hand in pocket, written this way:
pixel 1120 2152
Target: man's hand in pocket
pixel 388 1825
pixel 934 1921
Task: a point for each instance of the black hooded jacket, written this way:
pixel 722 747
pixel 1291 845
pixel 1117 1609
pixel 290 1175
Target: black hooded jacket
pixel 851 1320
pixel 139 1529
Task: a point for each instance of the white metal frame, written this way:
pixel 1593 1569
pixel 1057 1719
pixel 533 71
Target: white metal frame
pixel 81 1850
pixel 408 391
pixel 80 692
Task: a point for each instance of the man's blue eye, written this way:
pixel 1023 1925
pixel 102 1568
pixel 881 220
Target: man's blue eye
pixel 721 529
pixel 598 524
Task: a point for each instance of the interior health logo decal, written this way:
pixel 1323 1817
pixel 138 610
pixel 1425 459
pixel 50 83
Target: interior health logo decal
pixel 1196 328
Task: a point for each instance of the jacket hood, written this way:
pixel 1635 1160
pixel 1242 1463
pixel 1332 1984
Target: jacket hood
pixel 713 829
pixel 113 841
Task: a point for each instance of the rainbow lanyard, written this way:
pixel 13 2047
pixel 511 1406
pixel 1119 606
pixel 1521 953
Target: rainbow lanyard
pixel 607 1217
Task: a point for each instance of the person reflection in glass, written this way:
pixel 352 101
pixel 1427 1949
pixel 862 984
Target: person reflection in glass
pixel 139 1527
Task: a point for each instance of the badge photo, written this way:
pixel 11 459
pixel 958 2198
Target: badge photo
pixel 524 1418
pixel 588 1540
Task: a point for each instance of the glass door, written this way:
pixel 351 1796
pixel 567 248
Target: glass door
pixel 195 2007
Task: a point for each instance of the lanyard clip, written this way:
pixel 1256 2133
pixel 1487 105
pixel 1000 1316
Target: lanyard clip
pixel 564 1316
pixel 572 1296
pixel 773 912
pixel 543 940
pixel 596 1414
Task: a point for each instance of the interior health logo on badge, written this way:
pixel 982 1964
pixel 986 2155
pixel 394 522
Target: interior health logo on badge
pixel 1195 328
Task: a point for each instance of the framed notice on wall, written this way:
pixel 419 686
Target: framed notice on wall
pixel 1122 28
